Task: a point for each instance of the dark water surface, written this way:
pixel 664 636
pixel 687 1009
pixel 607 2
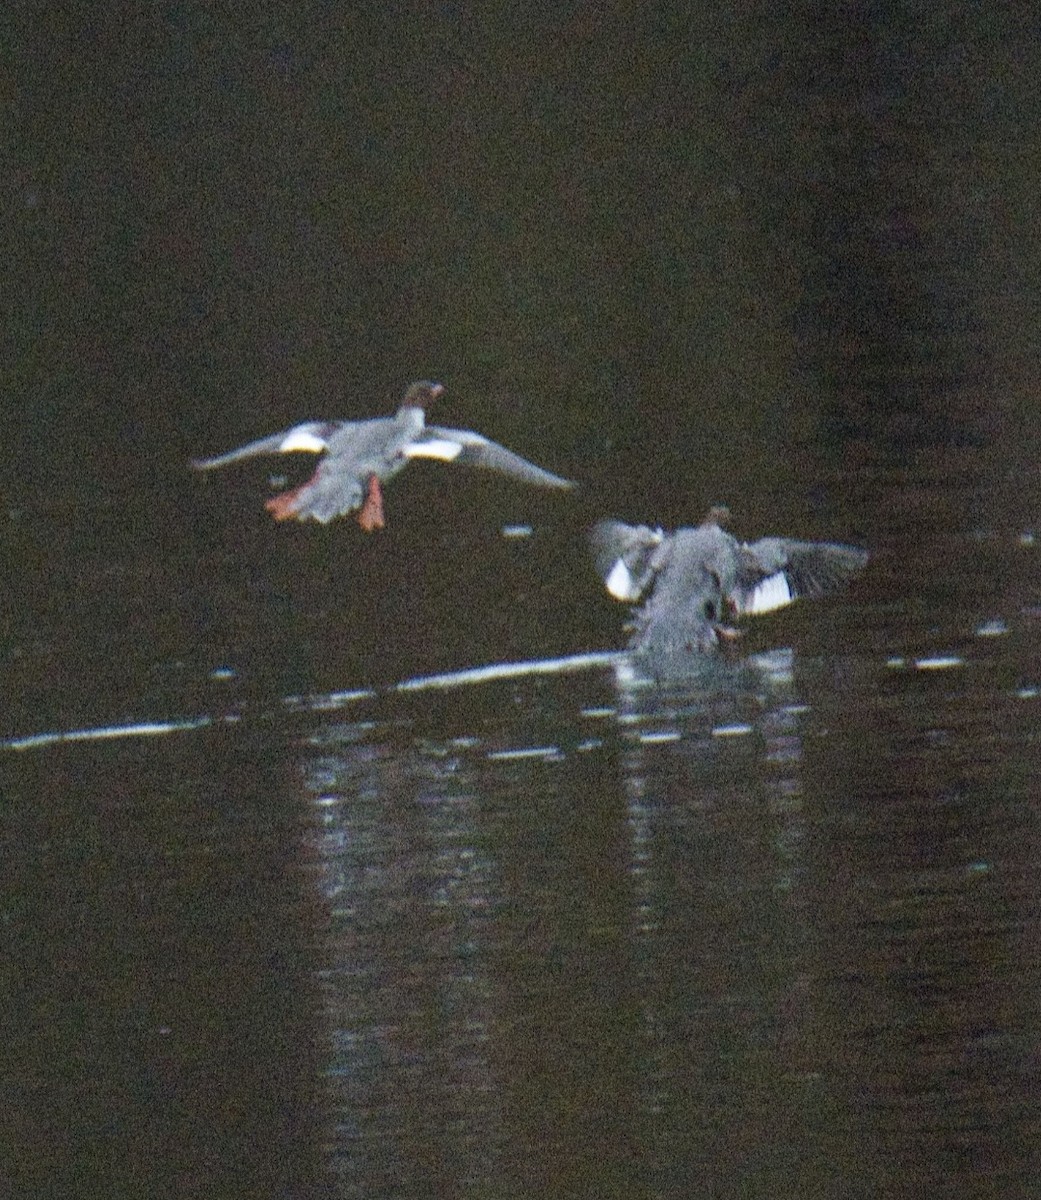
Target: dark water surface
pixel 772 930
pixel 275 925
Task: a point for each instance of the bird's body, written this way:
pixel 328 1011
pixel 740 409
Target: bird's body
pixel 360 456
pixel 696 579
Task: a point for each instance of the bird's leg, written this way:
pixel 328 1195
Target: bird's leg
pixel 286 504
pixel 371 516
pixel 283 506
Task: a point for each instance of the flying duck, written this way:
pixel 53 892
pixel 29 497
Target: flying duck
pixel 359 456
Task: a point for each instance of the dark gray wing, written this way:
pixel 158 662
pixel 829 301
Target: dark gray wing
pixel 775 571
pixel 311 436
pixel 626 557
pixel 471 449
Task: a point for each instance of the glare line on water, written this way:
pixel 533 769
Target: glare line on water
pixel 104 733
pixel 541 666
pixel 323 702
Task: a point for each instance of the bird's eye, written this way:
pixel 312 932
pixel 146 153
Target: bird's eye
pixel 710 610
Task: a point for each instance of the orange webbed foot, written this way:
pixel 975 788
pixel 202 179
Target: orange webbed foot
pixel 283 506
pixel 371 516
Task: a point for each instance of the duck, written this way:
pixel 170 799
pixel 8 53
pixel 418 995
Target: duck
pixel 361 456
pixel 693 581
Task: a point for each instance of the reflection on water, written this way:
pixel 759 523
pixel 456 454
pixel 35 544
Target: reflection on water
pixel 414 893
pixel 564 931
pixel 504 908
pixel 640 940
pixel 464 910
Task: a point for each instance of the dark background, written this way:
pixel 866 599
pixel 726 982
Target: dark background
pixel 785 257
pixel 659 241
pixel 682 255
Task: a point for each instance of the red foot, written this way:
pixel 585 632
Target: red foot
pixel 371 515
pixel 283 506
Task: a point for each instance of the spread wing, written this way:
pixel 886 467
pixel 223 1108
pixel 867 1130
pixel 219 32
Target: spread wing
pixel 626 557
pixel 776 571
pixel 311 436
pixel 471 449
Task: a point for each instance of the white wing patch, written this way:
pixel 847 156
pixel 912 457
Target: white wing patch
pixel 773 592
pixel 302 439
pixel 620 583
pixel 439 448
